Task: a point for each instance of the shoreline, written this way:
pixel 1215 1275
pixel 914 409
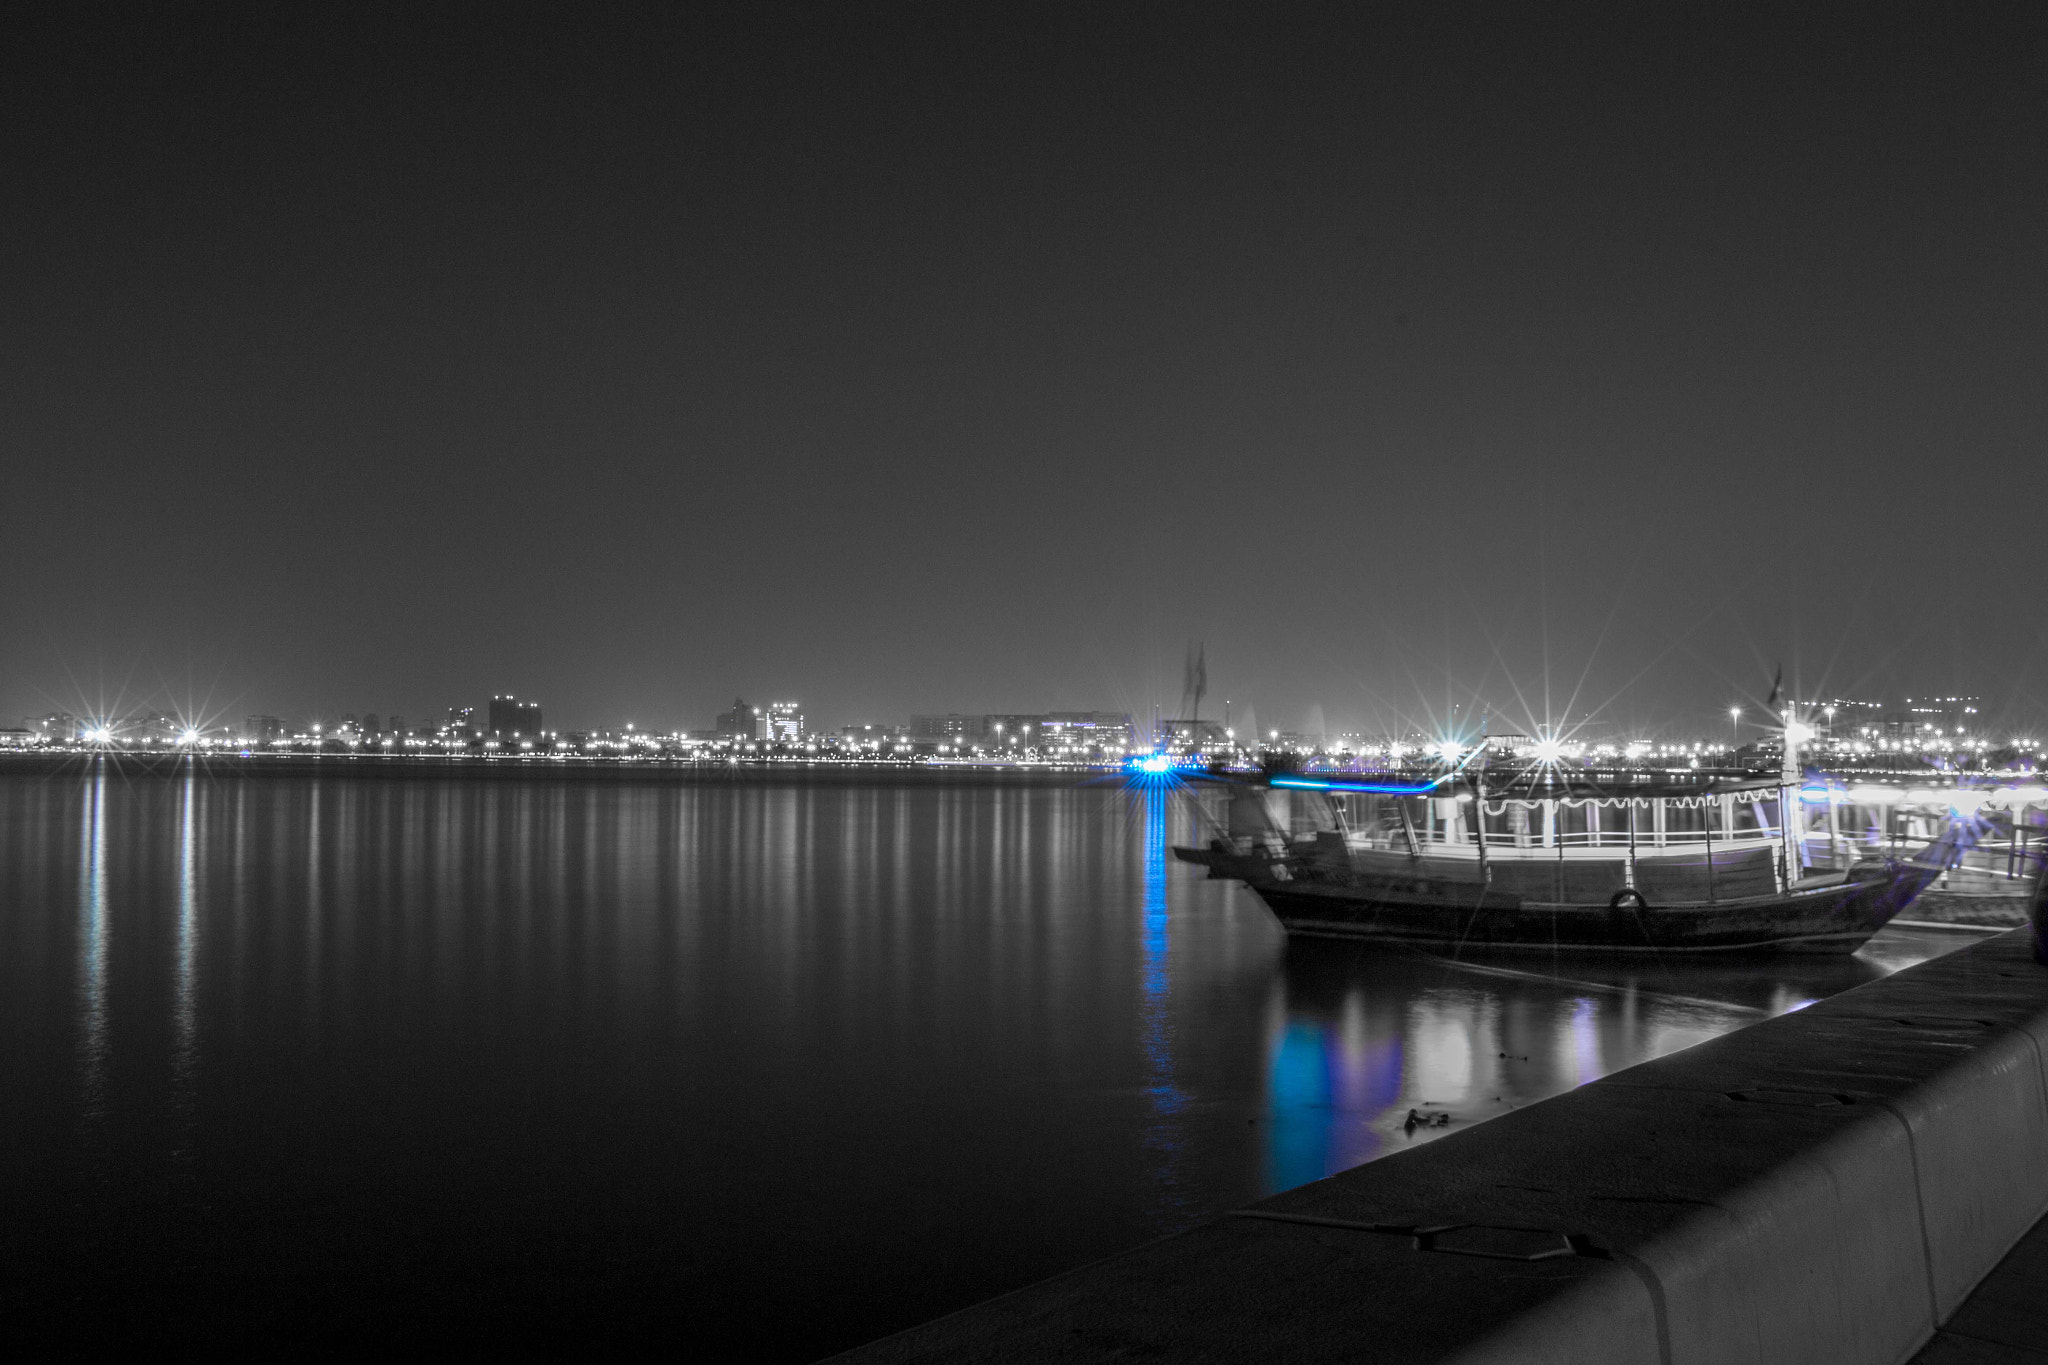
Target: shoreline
pixel 528 768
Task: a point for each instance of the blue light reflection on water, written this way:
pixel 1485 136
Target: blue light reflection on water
pixel 1338 1083
pixel 1298 1123
pixel 1167 1101
pixel 93 932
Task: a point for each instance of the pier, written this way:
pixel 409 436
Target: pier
pixel 1842 1183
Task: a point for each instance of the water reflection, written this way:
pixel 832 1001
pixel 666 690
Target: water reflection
pixel 1369 1036
pixel 93 931
pixel 1167 1101
pixel 185 1001
pixel 830 1059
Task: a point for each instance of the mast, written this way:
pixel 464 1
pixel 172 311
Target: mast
pixel 1791 784
pixel 1479 816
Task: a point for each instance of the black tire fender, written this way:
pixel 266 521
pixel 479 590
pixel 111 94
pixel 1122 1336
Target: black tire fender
pixel 1627 898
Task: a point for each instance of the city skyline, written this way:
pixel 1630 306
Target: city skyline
pixel 1968 721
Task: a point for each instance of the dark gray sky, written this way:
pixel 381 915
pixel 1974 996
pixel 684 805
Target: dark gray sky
pixel 913 358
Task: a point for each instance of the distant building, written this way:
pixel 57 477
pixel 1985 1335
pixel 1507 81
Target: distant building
pixel 1945 717
pixel 784 723
pixel 396 724
pixel 1085 729
pixel 869 733
pixel 949 728
pixel 741 722
pixel 513 719
pixel 1056 729
pixel 262 729
pixel 1847 718
pixel 1016 730
pixel 55 727
pixel 1508 744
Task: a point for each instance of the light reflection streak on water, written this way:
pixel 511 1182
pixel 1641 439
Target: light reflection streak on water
pixel 1585 1043
pixel 313 927
pixel 1331 1081
pixel 1166 1098
pixel 92 949
pixel 1298 1128
pixel 185 1008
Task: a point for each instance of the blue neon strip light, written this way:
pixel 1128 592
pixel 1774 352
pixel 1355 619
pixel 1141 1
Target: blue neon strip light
pixel 1378 788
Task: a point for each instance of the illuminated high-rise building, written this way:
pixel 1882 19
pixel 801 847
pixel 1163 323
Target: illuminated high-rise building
pixel 1086 729
pixel 783 723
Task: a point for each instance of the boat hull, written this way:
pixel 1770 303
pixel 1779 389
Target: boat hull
pixel 1836 918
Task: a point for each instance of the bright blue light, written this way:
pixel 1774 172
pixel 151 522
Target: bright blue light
pixel 1377 788
pixel 1152 763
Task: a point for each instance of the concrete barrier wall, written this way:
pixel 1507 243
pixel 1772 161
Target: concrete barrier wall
pixel 1825 1186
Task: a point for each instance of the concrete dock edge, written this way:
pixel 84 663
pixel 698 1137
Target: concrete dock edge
pixel 1829 1185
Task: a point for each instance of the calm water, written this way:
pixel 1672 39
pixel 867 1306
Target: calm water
pixel 568 1065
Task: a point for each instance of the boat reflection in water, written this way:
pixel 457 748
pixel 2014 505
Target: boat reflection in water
pixel 1360 1037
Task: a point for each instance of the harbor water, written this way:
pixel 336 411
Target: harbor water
pixel 543 1065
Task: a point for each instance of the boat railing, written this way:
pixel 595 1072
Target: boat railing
pixel 1990 860
pixel 1606 846
pixel 1604 842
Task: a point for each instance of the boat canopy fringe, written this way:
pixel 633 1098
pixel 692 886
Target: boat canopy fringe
pixel 1694 802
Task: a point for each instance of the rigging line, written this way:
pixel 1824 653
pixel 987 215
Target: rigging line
pixel 1698 1002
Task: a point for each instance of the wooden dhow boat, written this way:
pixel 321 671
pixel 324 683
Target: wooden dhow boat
pixel 1550 859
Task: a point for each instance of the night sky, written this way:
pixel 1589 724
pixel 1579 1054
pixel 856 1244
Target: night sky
pixel 911 358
